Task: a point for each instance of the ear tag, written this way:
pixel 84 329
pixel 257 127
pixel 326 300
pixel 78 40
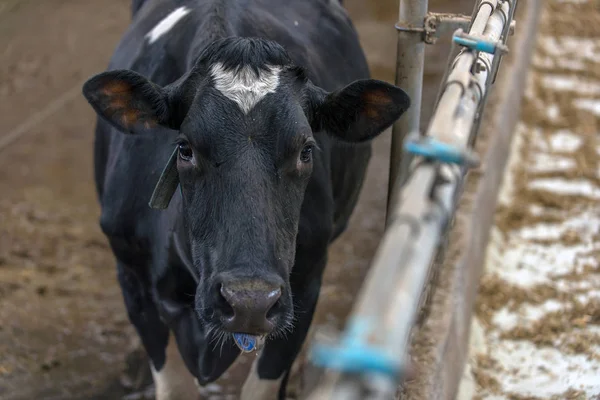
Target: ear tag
pixel 247 343
pixel 167 184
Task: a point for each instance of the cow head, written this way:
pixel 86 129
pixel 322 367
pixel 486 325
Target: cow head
pixel 249 123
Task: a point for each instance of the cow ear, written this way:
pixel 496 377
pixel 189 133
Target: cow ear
pixel 360 111
pixel 127 100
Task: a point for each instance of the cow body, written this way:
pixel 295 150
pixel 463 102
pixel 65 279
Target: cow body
pixel 163 256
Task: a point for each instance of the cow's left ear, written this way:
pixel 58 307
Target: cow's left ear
pixel 127 100
pixel 358 112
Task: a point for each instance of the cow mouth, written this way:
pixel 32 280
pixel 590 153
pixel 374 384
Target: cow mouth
pixel 249 340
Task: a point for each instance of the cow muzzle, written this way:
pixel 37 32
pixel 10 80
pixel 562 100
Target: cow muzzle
pixel 250 306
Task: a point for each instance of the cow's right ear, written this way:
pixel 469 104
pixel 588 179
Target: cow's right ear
pixel 357 112
pixel 127 100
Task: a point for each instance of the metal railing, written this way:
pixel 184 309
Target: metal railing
pixel 426 177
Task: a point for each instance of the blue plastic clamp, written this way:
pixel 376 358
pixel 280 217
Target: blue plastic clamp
pixel 355 355
pixel 478 44
pixel 435 149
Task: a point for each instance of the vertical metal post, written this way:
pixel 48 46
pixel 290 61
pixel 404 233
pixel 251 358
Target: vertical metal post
pixel 410 57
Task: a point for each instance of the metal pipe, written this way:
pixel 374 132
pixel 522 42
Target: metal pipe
pixel 458 80
pixel 485 9
pixel 489 25
pixel 497 22
pixel 459 117
pixel 395 247
pixel 406 298
pixel 455 115
pixel 390 299
pixel 410 60
pixel 490 64
pixel 455 87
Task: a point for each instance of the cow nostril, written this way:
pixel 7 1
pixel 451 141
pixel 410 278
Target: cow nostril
pixel 226 308
pixel 276 307
pixel 243 307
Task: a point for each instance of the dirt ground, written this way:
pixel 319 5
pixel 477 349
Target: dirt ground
pixel 64 333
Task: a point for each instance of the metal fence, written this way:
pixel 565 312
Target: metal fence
pixel 368 361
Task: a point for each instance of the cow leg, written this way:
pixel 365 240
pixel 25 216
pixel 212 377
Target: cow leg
pixel 256 387
pixel 268 376
pixel 174 381
pixel 171 378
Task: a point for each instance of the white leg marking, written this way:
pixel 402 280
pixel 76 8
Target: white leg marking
pixel 259 389
pixel 174 381
pixel 167 23
pixel 245 87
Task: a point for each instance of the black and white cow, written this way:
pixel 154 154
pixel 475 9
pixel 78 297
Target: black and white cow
pixel 262 112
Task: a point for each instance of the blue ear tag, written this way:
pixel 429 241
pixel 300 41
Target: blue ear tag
pixel 247 343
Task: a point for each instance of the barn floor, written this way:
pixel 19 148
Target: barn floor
pixel 64 333
pixel 536 334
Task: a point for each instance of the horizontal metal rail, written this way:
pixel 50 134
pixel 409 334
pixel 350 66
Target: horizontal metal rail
pixel 368 362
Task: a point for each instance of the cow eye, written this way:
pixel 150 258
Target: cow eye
pixel 185 152
pixel 306 153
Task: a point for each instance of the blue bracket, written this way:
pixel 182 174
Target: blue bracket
pixel 478 44
pixel 440 151
pixel 355 355
pixel 358 359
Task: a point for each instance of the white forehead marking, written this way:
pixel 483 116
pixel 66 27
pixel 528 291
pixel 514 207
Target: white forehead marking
pixel 244 86
pixel 167 23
